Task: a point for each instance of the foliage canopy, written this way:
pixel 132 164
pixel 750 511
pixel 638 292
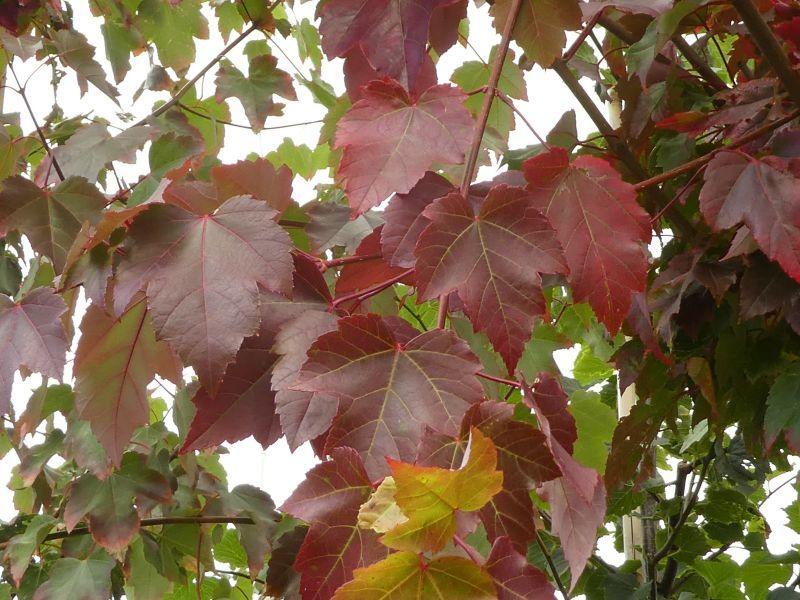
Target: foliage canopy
pixel 403 320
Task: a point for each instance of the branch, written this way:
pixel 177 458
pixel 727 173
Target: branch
pixel 671 570
pixel 500 380
pixel 684 515
pixel 190 84
pixel 348 260
pixel 153 522
pixel 373 290
pixel 480 125
pixel 473 554
pixel 770 46
pixel 553 569
pixel 585 32
pixel 189 109
pixel 694 59
pixel 28 106
pixel 703 160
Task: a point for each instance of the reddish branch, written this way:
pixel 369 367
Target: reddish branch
pixel 703 160
pixel 348 260
pixel 500 380
pixel 576 45
pixel 480 125
pixel 770 46
pixel 371 291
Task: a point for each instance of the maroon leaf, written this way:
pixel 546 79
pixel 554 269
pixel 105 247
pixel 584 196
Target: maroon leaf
pixel 115 361
pixel 201 302
pixel 31 336
pixel 257 178
pixel 511 514
pixel 393 34
pixel 334 546
pixel 390 382
pixel 603 230
pixel 390 139
pixel 303 415
pixel 247 387
pixel 494 258
pixel 550 402
pixel 405 219
pixel 760 194
pixel 513 577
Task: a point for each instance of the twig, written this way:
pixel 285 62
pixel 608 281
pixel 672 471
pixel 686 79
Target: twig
pixel 28 106
pixel 553 569
pixel 701 66
pixel 348 260
pixel 152 522
pixel 500 94
pixel 189 109
pixel 371 291
pixel 239 574
pixel 190 84
pixel 699 162
pixel 508 382
pixel 671 570
pixel 473 554
pixel 684 515
pixel 480 125
pixel 770 46
pixel 585 32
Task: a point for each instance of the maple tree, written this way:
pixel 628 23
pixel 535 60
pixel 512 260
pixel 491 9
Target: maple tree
pixel 387 300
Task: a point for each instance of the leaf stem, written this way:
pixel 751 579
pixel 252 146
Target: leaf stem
pixel 371 291
pixel 348 260
pixel 480 126
pixel 500 380
pixel 585 32
pixel 703 160
pixel 473 554
pixel 553 569
pixel 769 45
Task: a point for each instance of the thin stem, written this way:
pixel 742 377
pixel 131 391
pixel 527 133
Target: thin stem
pixel 371 291
pixel 239 574
pixel 190 84
pixel 553 569
pixel 39 131
pixel 480 126
pixel 473 554
pixel 585 32
pixel 699 162
pixel 189 109
pixel 769 45
pixel 348 260
pixel 701 66
pixel 508 382
pixel 692 499
pixel 510 103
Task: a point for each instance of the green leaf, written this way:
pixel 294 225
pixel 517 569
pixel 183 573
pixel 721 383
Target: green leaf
pixel 783 408
pixel 589 369
pixel 21 547
pixel 255 91
pixel 301 159
pixel 759 576
pixel 144 582
pixel 172 27
pixel 72 579
pixel 596 422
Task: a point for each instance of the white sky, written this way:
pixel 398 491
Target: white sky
pixel 277 470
